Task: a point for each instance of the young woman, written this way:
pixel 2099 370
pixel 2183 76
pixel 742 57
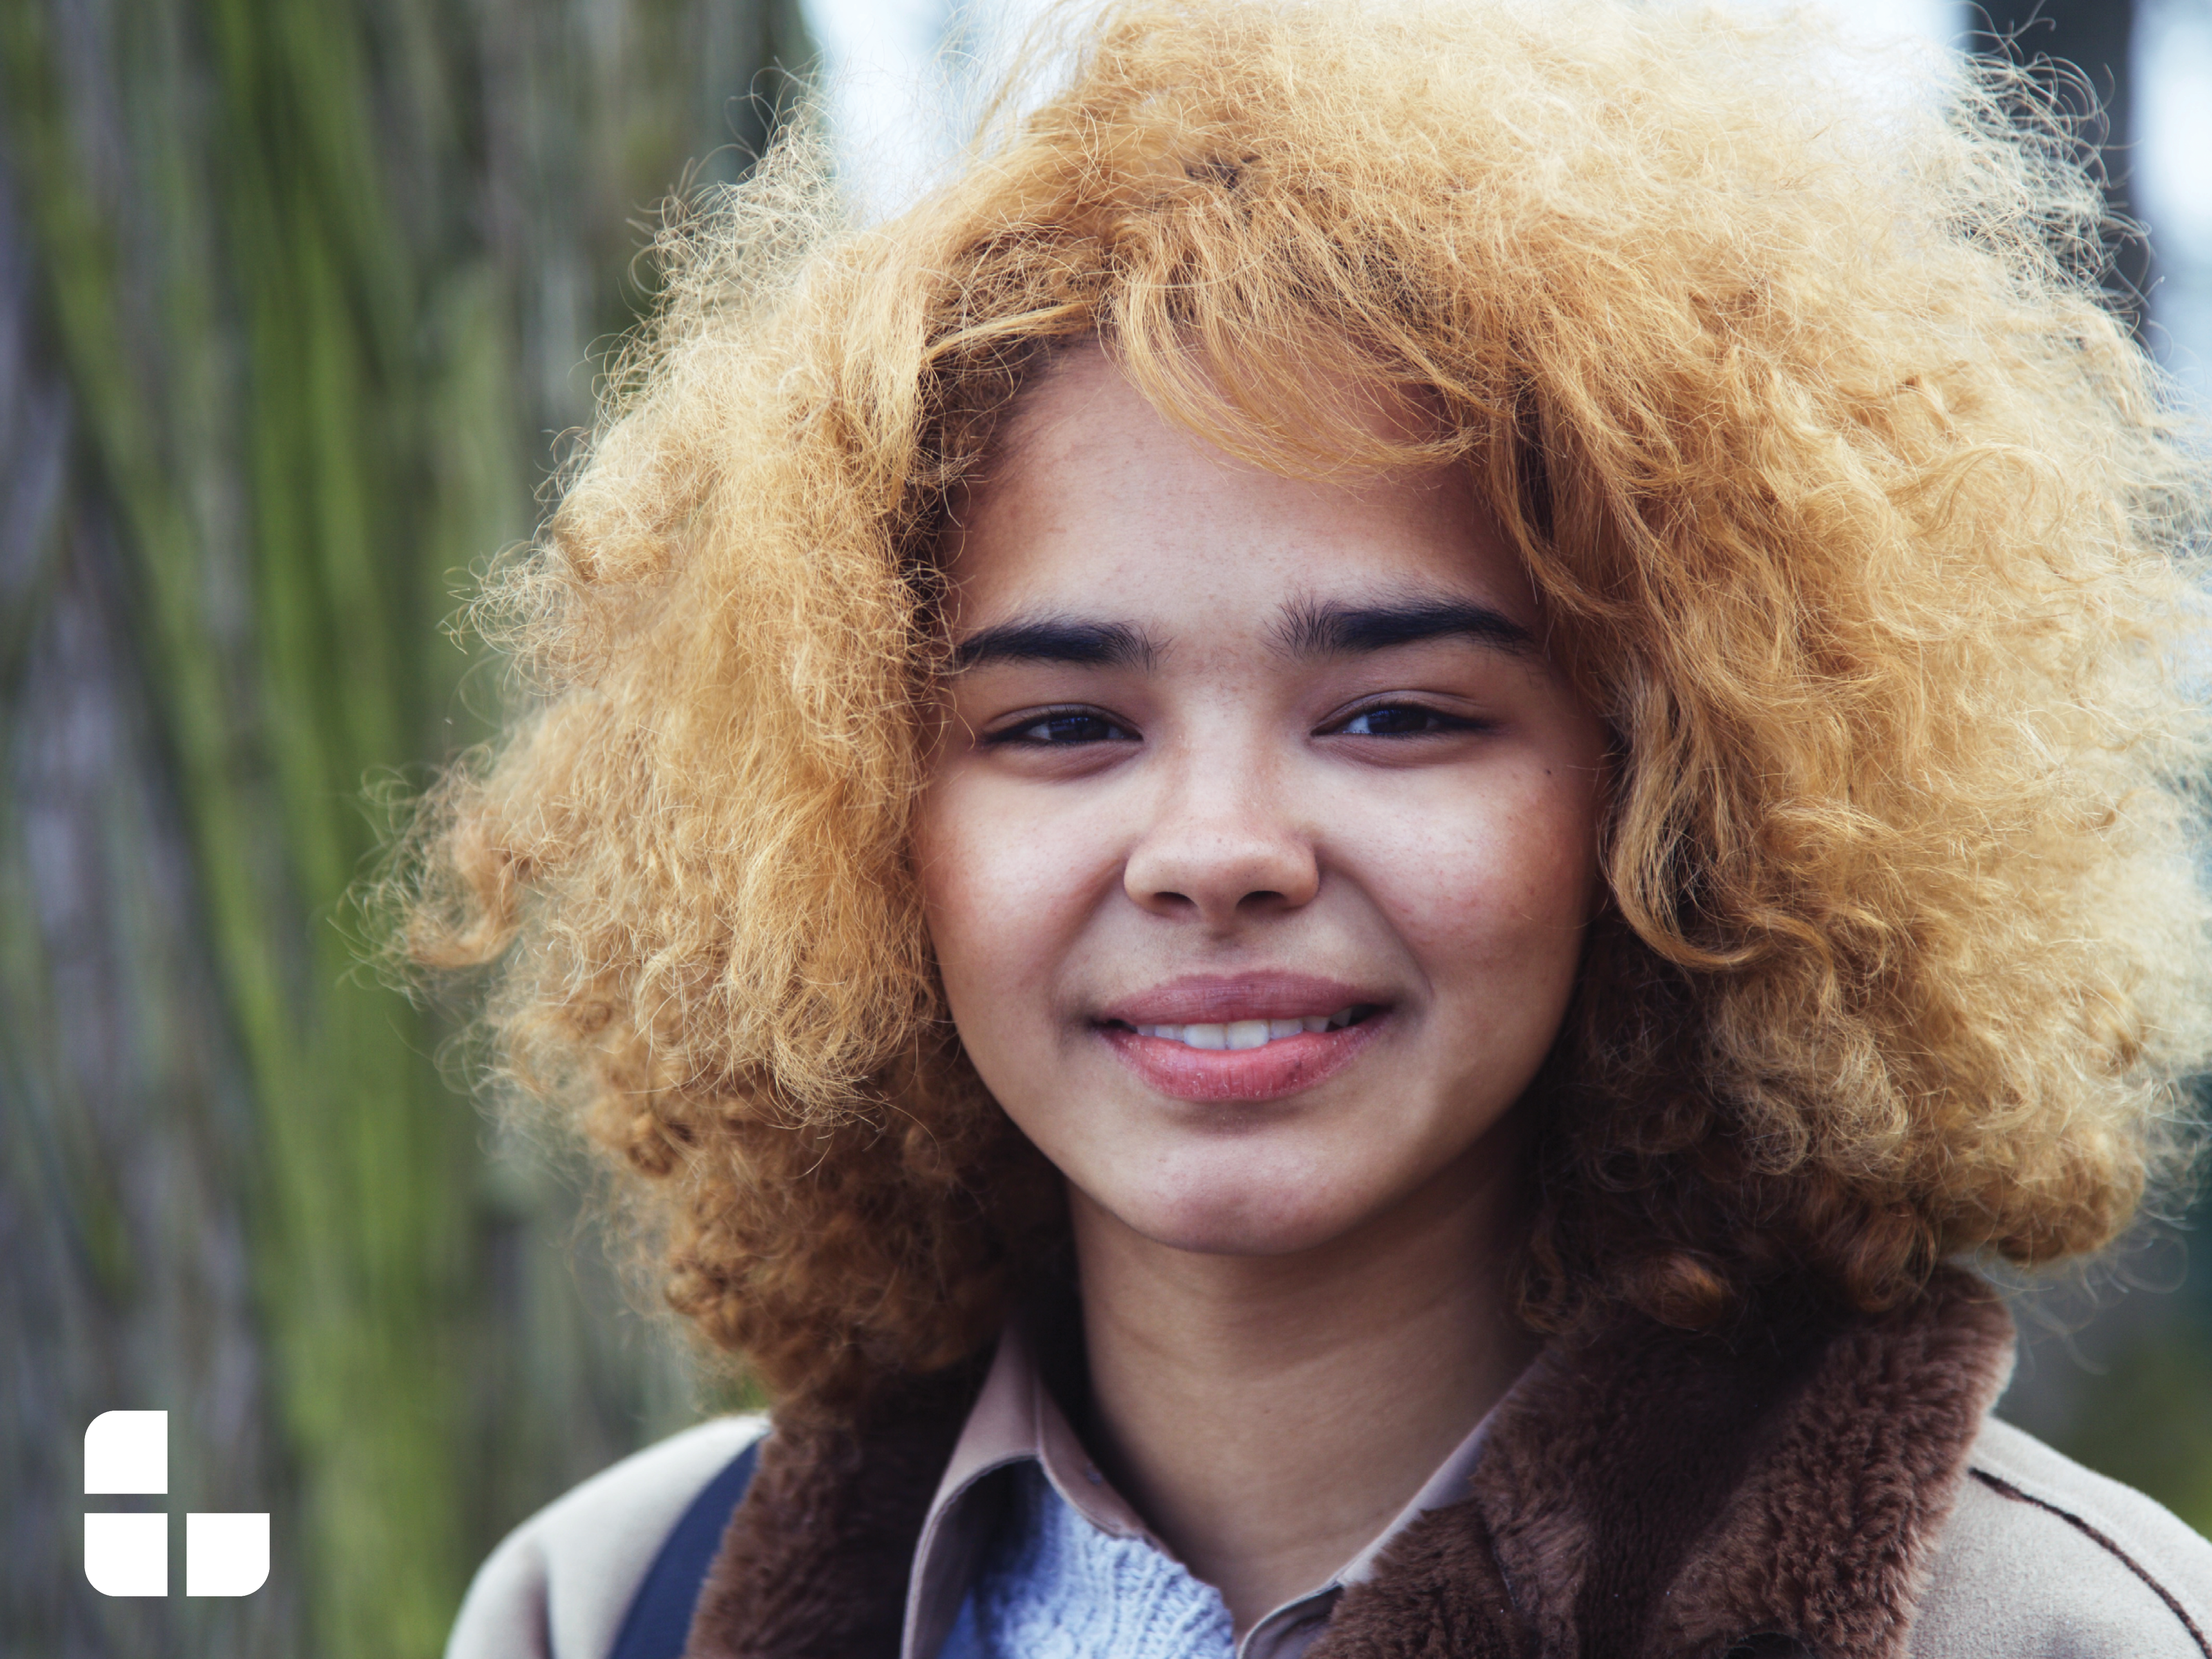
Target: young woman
pixel 1339 842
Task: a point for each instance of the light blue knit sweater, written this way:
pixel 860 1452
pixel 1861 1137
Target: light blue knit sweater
pixel 1053 1586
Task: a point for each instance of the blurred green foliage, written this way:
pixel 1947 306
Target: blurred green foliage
pixel 2116 1367
pixel 2149 1422
pixel 296 294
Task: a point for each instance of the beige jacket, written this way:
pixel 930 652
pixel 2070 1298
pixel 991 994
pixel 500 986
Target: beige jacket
pixel 2037 1559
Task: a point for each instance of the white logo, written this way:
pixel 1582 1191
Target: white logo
pixel 128 1554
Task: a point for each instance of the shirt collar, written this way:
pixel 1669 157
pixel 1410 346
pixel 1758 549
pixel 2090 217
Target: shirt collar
pixel 1016 1418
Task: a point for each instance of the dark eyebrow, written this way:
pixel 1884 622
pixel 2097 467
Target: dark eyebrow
pixel 1313 627
pixel 1057 639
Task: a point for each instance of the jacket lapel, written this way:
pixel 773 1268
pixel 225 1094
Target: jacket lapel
pixel 1669 1496
pixel 814 1564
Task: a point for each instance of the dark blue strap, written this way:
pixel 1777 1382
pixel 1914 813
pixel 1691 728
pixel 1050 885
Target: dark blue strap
pixel 660 1618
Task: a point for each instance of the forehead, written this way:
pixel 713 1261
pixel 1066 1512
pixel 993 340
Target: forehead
pixel 1092 490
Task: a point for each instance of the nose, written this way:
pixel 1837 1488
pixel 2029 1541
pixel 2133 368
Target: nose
pixel 1223 846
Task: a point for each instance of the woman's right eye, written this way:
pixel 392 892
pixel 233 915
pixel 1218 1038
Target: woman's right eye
pixel 1064 727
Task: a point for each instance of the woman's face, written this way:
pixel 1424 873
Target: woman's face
pixel 1260 838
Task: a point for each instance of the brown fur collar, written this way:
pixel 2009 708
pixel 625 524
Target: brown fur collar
pixel 1648 1496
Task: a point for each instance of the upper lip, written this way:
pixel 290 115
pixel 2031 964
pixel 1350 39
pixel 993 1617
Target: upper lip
pixel 1219 998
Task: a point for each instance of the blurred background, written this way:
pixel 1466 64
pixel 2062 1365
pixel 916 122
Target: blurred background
pixel 298 299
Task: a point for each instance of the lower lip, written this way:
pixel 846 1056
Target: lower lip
pixel 1285 1067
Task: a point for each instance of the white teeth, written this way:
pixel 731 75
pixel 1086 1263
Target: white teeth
pixel 1246 1033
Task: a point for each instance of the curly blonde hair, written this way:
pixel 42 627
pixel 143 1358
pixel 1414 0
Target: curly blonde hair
pixel 1860 519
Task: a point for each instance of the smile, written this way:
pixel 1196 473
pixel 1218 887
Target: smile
pixel 1241 1034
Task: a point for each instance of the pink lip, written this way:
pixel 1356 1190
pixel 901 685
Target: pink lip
pixel 1285 1066
pixel 1217 998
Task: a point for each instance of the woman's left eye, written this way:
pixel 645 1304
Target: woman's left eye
pixel 1403 720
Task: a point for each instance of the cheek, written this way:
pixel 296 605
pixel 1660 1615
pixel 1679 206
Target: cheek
pixel 1492 895
pixel 1000 901
pixel 958 873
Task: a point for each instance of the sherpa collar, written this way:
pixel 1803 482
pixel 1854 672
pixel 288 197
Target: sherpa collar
pixel 1650 1495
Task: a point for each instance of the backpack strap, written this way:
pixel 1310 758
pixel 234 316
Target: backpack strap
pixel 660 1616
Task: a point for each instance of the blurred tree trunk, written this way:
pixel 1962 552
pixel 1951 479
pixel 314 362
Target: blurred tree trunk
pixel 292 295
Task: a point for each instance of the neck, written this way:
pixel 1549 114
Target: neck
pixel 1269 1416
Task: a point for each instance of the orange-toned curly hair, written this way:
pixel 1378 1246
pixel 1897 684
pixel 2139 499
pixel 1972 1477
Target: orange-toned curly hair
pixel 1860 519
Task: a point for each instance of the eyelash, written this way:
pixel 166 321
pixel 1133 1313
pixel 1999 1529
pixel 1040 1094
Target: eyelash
pixel 1014 736
pixel 1437 722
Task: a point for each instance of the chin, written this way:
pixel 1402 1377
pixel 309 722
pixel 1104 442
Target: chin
pixel 1237 1214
